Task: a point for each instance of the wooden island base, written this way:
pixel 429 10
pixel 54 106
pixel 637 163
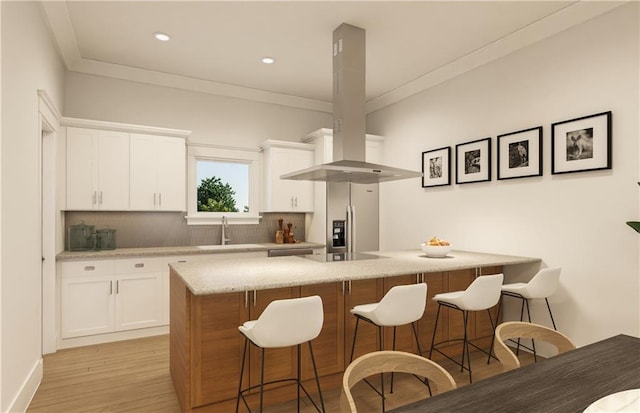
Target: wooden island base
pixel 206 346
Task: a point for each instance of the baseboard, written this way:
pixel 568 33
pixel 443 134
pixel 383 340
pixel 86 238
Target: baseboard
pixel 27 390
pixel 110 337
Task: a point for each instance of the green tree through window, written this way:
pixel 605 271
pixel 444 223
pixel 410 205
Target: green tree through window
pixel 216 196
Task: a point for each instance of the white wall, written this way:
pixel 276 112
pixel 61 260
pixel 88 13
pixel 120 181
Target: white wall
pixel 213 119
pixel 575 221
pixel 29 63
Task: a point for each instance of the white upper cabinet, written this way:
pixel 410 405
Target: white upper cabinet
pixel 97 169
pixel 123 167
pixel 281 195
pixel 158 173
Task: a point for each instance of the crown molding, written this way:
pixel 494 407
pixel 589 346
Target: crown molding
pixel 94 67
pixel 124 127
pixel 548 26
pixel 577 12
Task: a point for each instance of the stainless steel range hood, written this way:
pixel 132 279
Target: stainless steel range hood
pixel 349 119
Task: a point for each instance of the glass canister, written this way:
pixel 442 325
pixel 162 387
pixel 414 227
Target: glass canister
pixel 106 238
pixel 79 237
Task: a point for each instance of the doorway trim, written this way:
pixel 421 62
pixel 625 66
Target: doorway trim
pixel 48 126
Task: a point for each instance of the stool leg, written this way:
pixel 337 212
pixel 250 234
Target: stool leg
pixel 315 372
pixel 493 336
pixel 521 318
pixel 435 328
pixel 466 344
pixel 550 315
pixel 261 378
pixel 415 334
pixel 298 386
pixel 355 334
pixel 393 347
pixel 533 342
pixel 381 374
pixel 244 356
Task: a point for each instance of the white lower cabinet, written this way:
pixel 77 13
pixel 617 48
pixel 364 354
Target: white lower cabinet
pixel 120 295
pixel 104 296
pixel 139 293
pixel 87 305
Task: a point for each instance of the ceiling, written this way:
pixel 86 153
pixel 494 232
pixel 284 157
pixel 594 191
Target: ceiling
pixel 216 47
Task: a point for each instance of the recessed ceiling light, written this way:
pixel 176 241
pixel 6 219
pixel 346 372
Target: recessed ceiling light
pixel 267 60
pixel 162 37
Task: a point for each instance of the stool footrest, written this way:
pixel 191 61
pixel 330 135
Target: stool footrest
pixel 257 386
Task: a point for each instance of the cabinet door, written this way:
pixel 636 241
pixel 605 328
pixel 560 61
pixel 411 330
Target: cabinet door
pixel 435 285
pixel 82 172
pixel 280 363
pixel 113 172
pixel 405 341
pixel 216 347
pixel 171 174
pixel 452 320
pixel 483 327
pixel 302 191
pixel 361 292
pixel 328 347
pixel 288 195
pixel 87 305
pixel 143 179
pixel 138 300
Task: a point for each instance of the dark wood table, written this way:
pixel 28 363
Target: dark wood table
pixel 568 382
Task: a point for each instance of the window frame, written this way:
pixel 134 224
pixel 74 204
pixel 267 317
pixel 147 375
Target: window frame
pixel 250 157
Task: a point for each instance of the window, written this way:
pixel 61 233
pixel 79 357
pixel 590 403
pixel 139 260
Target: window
pixel 222 182
pixel 222 186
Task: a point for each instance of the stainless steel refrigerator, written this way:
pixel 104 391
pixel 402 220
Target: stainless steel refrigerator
pixel 352 217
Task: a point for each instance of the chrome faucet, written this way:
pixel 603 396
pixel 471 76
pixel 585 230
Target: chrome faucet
pixel 224 240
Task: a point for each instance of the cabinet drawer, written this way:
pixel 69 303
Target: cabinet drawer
pixel 83 268
pixel 138 265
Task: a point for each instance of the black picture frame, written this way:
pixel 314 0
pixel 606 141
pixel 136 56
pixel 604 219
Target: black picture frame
pixel 473 161
pixel 581 144
pixel 519 154
pixel 436 167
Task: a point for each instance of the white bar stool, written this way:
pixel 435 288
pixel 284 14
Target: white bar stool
pixel 482 294
pixel 284 323
pixel 401 305
pixel 543 285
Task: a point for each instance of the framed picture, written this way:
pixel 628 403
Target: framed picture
pixel 581 144
pixel 520 154
pixel 436 167
pixel 473 161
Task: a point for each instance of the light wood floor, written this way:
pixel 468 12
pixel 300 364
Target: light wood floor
pixel 133 376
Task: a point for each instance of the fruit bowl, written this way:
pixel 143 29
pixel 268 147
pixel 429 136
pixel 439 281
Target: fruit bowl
pixel 436 251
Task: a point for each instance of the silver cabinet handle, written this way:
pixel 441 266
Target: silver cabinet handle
pixel 296 205
pixel 89 268
pixel 255 295
pixel 100 198
pixel 139 265
pixel 349 286
pixel 110 287
pixel 117 286
pixel 182 261
pixel 93 198
pixel 154 199
pixel 246 299
pixel 160 199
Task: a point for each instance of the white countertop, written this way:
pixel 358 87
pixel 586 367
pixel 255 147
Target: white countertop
pixel 188 250
pixel 230 275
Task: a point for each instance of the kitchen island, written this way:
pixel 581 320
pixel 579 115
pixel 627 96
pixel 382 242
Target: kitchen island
pixel 210 299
